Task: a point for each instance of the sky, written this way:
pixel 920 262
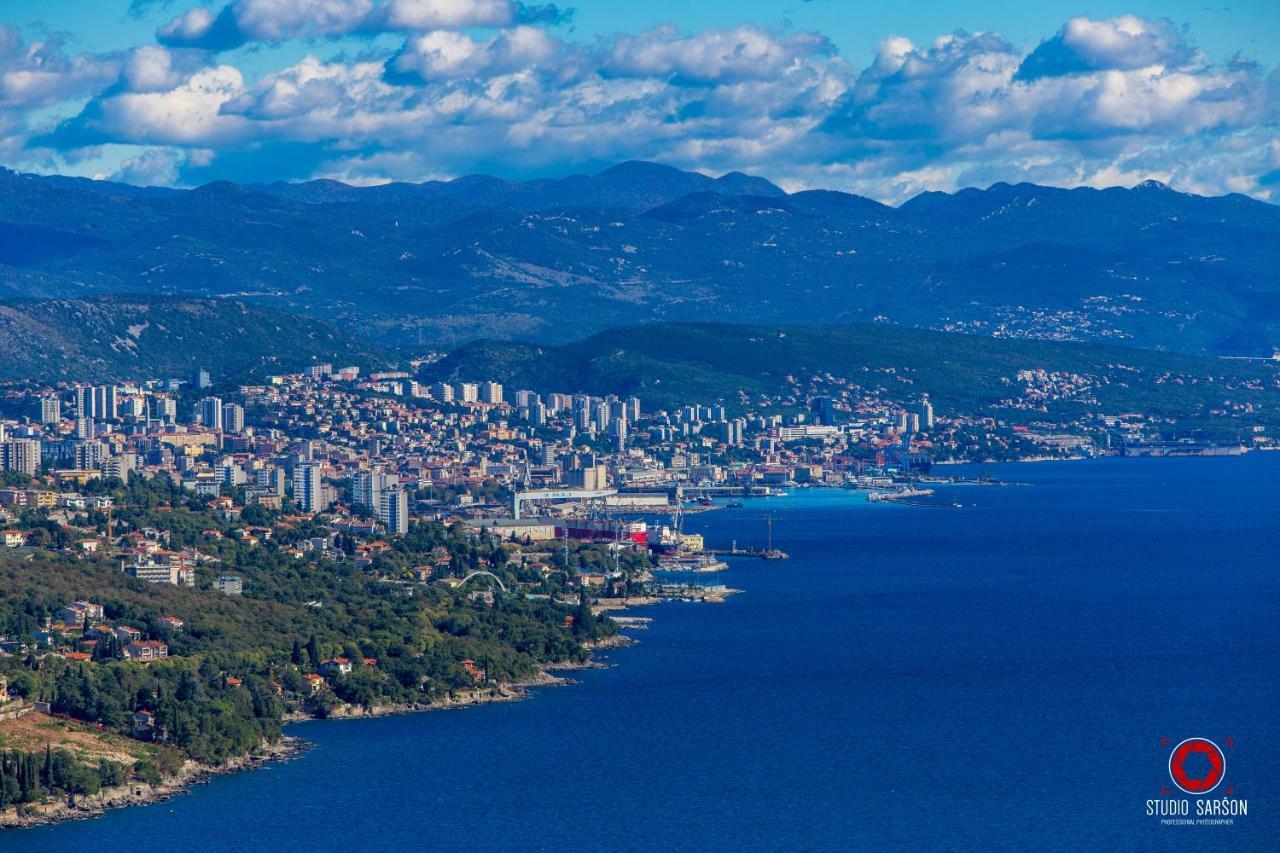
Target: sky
pixel 885 99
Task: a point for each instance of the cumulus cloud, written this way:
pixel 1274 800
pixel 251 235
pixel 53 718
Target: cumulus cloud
pixel 40 73
pixel 482 82
pixel 189 114
pixel 151 167
pixel 713 56
pixel 964 109
pixel 1125 43
pixel 447 55
pixel 245 21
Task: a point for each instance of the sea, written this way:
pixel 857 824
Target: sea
pixel 1005 668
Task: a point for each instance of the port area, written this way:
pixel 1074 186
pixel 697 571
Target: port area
pixel 704 562
pixel 757 553
pixel 672 591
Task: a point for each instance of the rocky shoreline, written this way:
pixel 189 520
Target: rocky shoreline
pixel 140 793
pixel 195 773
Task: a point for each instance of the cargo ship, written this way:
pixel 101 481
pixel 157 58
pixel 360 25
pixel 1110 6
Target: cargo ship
pixel 603 529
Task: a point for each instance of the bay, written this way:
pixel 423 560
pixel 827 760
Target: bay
pixel 997 676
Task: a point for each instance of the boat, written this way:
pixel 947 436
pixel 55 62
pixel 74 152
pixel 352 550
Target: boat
pixel 771 553
pixel 734 505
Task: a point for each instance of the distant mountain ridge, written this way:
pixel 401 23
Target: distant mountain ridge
pixel 634 185
pixel 553 260
pixel 670 365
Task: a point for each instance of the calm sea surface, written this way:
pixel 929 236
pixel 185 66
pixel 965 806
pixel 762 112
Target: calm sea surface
pixel 997 676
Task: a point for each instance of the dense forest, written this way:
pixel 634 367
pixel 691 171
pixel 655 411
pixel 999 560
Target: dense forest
pixel 27 777
pixel 238 664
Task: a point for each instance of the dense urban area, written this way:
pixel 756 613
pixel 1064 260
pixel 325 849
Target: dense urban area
pixel 188 565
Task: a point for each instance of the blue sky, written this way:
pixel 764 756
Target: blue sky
pixel 885 99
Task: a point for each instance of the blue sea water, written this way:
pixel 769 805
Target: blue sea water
pixel 997 676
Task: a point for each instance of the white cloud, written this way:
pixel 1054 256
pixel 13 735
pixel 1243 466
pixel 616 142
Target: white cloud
pixel 713 56
pixel 150 167
pixel 1112 44
pixel 424 15
pixel 151 68
pixel 189 114
pixel 446 55
pixel 1108 100
pixel 41 74
pixel 244 21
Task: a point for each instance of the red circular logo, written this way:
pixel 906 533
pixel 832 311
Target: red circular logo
pixel 1188 752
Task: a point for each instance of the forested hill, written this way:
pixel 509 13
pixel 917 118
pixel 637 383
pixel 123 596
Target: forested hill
pixel 132 337
pixel 445 262
pixel 674 364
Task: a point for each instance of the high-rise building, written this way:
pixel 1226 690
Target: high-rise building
pixel 730 432
pixel 120 465
pixel 466 392
pixel 209 412
pixel 50 409
pixel 105 403
pixel 308 488
pixel 270 478
pixel 232 474
pixel 233 417
pixel 201 379
pixel 490 392
pixel 823 410
pixel 84 402
pixel 633 409
pixel 166 409
pixel 84 428
pixel 926 413
pixel 393 510
pixel 367 488
pixel 441 392
pixel 88 455
pixel 21 455
pixel 133 407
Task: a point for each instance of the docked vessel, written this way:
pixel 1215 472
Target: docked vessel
pixel 609 530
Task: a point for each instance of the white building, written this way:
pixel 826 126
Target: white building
pixel 308 487
pixel 393 511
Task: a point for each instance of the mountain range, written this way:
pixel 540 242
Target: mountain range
pixel 444 262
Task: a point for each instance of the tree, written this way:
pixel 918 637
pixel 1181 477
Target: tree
pixel 313 652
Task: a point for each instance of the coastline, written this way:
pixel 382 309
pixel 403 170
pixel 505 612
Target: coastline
pixel 140 794
pixel 289 746
pixel 195 773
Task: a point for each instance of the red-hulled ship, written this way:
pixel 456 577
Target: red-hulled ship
pixel 605 529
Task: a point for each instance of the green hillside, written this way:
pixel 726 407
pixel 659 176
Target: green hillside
pixel 667 365
pixel 119 337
